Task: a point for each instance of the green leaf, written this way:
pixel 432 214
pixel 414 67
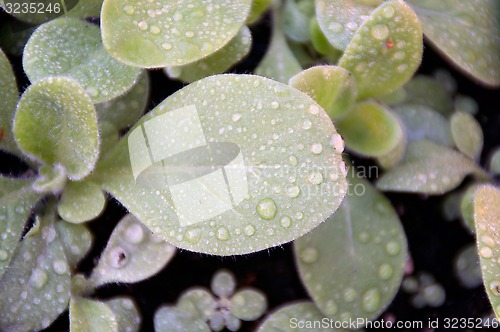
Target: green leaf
pixel 362 277
pixel 76 241
pixel 288 152
pixel 494 161
pixel 467 267
pixel 171 319
pixel 248 304
pixel 81 202
pixel 386 50
pixel 8 100
pixel 89 315
pixel 332 87
pixel 467 134
pixel 421 122
pixel 35 288
pixel 125 110
pixel 321 44
pixel 223 284
pixel 16 200
pixel 162 34
pixel 370 129
pixel 109 136
pixel 30 10
pixel 259 7
pixel 126 313
pixel 466 32
pixel 429 168
pixel 486 212
pixel 51 179
pixel 465 104
pixel 56 122
pixel 417 92
pixel 217 62
pixel 131 255
pixel 467 206
pixel 295 22
pixel 198 302
pixel 393 157
pixel 73 48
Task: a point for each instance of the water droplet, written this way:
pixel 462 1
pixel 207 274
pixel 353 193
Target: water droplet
pixel 307 125
pixel 117 257
pixel 385 271
pixel 488 241
pixel 486 252
pixel 24 295
pixel 155 30
pixel 336 27
pixel 402 67
pixel 292 160
pixel 331 308
pixel 267 209
pixel 60 266
pixel 236 117
pixel 143 25
pixel 293 192
pixel 299 215
pixel 388 11
pixel 286 222
pixel 364 237
pixel 178 16
pixel 352 26
pixel 399 55
pixel 129 10
pixel 309 255
pixel 38 278
pixel 92 91
pixel 193 235
pixel 222 233
pixel 249 230
pixel 371 300
pixel 275 105
pixel 392 248
pixel 316 148
pixel 315 177
pixel 337 143
pixel 3 255
pixel 134 233
pixel 350 294
pixel 166 46
pixel 380 31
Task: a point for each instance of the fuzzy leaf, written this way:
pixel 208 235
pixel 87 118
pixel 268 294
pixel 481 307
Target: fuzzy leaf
pixel 198 302
pixel 248 304
pixel 386 50
pixel 466 32
pixel 76 241
pixel 131 255
pixel 81 202
pixel 126 313
pixel 467 134
pixel 295 22
pixel 73 48
pixel 8 100
pixel 494 162
pixel 223 284
pixel 217 62
pixel 304 312
pixel 89 315
pixel 467 206
pixel 321 44
pixel 333 88
pixel 169 33
pixel 430 169
pixel 51 179
pixel 486 218
pixel 247 116
pixel 370 130
pixel 362 277
pixel 171 319
pixel 417 92
pixel 32 12
pixel 55 122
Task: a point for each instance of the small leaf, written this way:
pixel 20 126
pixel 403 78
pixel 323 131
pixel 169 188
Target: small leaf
pixel 126 313
pixel 131 255
pixel 321 44
pixel 76 241
pixel 217 62
pixel 467 134
pixel 417 92
pixel 198 302
pixel 370 130
pixel 8 101
pixel 430 169
pixel 89 315
pixel 467 267
pixel 259 7
pixel 56 122
pixel 486 213
pixel 223 284
pixel 386 50
pixel 467 206
pixel 30 10
pixel 248 304
pixel 81 202
pixel 393 157
pixel 465 104
pixel 333 88
pixel 51 179
pixel 494 161
pixel 466 32
pixel 158 34
pixel 295 22
pixel 171 319
pixel 362 277
pixel 73 48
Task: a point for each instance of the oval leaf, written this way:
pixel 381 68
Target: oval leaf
pixel 171 319
pixel 89 315
pixel 248 304
pixel 56 122
pixel 81 202
pixel 126 313
pixel 467 134
pixel 76 240
pixel 286 172
pixel 295 22
pixel 223 284
pixel 386 50
pixel 494 161
pixel 169 33
pixel 417 92
pixel 8 101
pixel 467 267
pixel 198 302
pixel 321 44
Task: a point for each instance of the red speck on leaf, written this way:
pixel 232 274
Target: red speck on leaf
pixel 389 43
pixel 2 133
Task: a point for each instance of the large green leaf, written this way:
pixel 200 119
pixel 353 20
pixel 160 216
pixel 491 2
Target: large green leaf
pixel 56 123
pixel 352 265
pixel 8 100
pixel 467 134
pixel 386 50
pixel 89 315
pixel 486 218
pixel 466 32
pixel 169 33
pixel 72 47
pixel 284 166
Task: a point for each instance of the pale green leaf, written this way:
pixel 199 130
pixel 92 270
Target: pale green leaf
pixel 51 179
pixel 466 32
pixel 417 92
pixel 429 168
pixel 131 255
pixel 126 313
pixel 217 62
pixel 55 122
pixel 8 100
pixel 467 134
pixel 465 104
pixel 223 284
pixel 467 206
pixel 332 87
pixel 486 218
pixel 169 33
pixel 295 22
pixel 248 304
pixel 494 161
pixel 467 267
pixel 76 241
pixel 171 319
pixel 109 135
pixel 89 315
pixel 386 50
pixel 36 12
pixel 81 202
pixel 284 148
pixel 73 48
pixel 363 275
pixel 321 44
pixel 370 129
pixel 198 302
pixel 259 7
pixel 393 157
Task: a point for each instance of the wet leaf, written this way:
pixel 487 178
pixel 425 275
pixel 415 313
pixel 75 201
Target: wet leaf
pixel 198 302
pixel 55 122
pixel 126 313
pixel 332 87
pixel 171 319
pixel 223 283
pixel 295 22
pixel 370 129
pixel 430 169
pixel 251 119
pixel 494 162
pixel 467 206
pixel 362 277
pixel 248 304
pixel 321 44
pixel 259 7
pixel 386 50
pixel 131 255
pixel 109 136
pixel 417 92
pixel 162 34
pixel 8 100
pixel 466 32
pixel 81 202
pixel 467 267
pixel 53 50
pixel 486 213
pixel 89 315
pixel 217 62
pixel 467 134
pixel 76 241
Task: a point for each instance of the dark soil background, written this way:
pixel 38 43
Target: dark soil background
pixel 433 242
